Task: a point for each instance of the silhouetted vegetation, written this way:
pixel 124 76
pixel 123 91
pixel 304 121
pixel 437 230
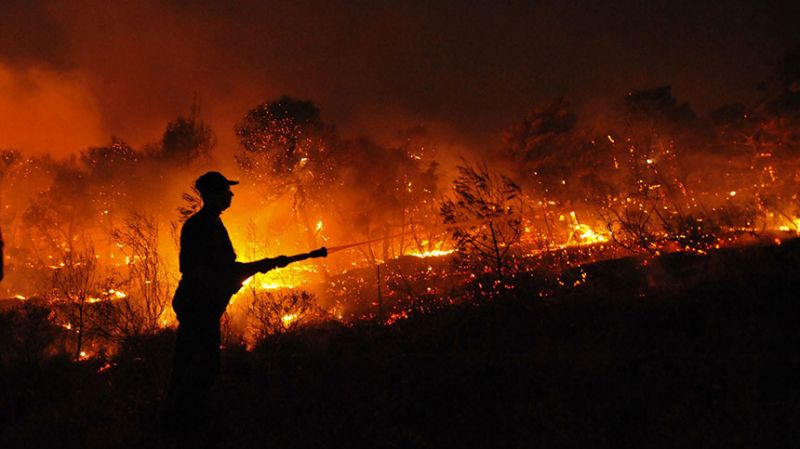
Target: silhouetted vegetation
pixel 486 214
pixel 680 350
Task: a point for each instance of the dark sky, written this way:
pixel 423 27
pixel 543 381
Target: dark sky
pixel 72 73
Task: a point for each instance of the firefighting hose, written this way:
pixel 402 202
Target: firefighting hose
pixel 333 249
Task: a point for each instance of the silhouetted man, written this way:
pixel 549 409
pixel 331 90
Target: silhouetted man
pixel 210 276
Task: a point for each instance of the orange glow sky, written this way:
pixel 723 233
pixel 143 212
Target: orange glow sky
pixel 72 74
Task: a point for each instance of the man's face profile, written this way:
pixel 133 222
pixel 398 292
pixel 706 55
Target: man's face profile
pixel 220 199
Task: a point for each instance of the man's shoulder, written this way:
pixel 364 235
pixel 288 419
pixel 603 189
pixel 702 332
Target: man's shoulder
pixel 198 220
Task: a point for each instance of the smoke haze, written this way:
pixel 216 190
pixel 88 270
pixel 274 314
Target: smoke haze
pixel 74 73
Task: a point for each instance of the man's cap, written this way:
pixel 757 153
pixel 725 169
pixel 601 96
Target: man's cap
pixel 213 181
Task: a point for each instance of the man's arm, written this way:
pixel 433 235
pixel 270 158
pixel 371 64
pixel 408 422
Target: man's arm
pixel 246 269
pixel 243 270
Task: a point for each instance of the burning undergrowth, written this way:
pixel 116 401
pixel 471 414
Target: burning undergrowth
pixel 92 238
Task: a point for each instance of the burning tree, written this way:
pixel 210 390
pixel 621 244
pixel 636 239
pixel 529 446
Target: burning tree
pixel 419 193
pixel 74 282
pixel 389 200
pixel 187 138
pixel 112 175
pixel 538 148
pixel 53 222
pixel 561 168
pixel 658 202
pixel 486 213
pixel 766 140
pixel 287 148
pixel 139 303
pixel 549 155
pixel 8 159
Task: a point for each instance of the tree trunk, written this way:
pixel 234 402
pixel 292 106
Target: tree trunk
pixel 498 261
pixel 80 332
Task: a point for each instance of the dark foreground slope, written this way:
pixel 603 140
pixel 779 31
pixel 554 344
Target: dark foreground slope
pixel 683 352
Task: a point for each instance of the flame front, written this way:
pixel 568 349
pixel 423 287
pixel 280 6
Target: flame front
pixel 576 196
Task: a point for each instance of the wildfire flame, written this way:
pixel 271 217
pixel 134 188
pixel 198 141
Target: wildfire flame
pixel 432 253
pixel 118 294
pixel 585 235
pixel 288 318
pixel 437 249
pixel 794 225
pixel 638 189
pixel 582 234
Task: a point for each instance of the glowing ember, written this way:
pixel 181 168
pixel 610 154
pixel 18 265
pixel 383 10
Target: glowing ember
pixel 288 318
pixel 432 253
pixel 105 367
pixel 393 318
pixel 117 293
pixel 794 225
pixel 588 236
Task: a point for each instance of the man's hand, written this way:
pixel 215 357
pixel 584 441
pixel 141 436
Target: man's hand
pixel 321 252
pixel 281 261
pixel 275 262
pixel 265 265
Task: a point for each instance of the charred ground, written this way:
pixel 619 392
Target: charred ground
pixel 630 358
